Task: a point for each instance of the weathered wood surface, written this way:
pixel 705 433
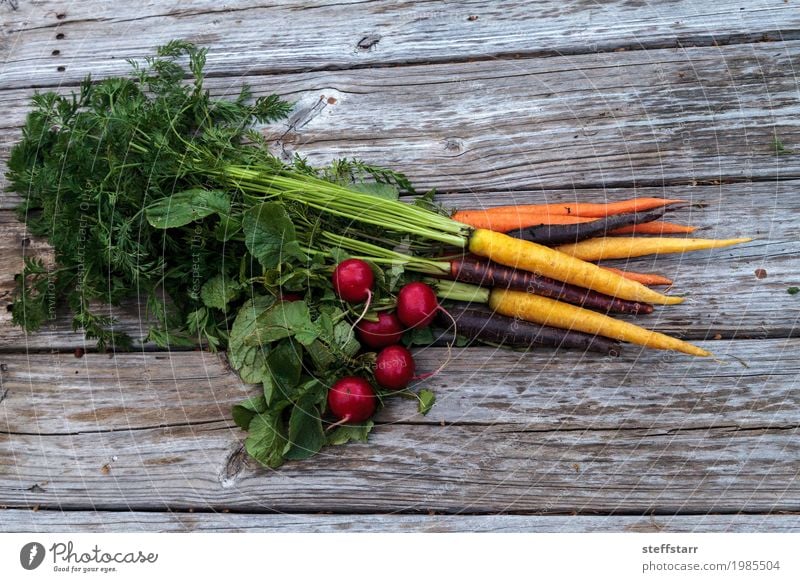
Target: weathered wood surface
pixel 14 520
pixel 703 437
pixel 749 385
pixel 469 106
pixel 416 468
pixel 50 43
pixel 646 117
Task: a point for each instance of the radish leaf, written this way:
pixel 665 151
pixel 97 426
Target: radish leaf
pixel 188 206
pixel 270 235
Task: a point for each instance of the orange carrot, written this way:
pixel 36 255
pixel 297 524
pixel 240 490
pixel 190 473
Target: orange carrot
pixel 649 279
pixel 582 209
pixel 503 222
pixel 655 227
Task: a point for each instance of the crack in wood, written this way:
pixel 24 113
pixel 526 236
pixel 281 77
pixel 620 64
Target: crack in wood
pixel 504 427
pixel 126 429
pixel 211 509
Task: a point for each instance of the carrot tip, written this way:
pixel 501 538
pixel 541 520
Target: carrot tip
pixel 672 300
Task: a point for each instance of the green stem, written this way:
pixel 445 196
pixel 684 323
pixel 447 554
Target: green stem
pixel 346 203
pixel 455 291
pixel 377 254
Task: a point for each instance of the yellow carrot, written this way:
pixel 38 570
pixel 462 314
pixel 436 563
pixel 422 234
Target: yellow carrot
pixel 536 258
pixel 598 249
pixel 545 311
pixel 655 227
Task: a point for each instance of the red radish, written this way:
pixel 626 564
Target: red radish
pixel 378 334
pixel 353 280
pixel 352 399
pixel 394 367
pixel 417 305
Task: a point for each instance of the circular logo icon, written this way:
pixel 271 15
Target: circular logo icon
pixel 31 555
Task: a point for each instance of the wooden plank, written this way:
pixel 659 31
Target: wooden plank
pixel 18 521
pixel 139 432
pixel 646 117
pixel 56 43
pixel 416 468
pixel 753 384
pixel 726 298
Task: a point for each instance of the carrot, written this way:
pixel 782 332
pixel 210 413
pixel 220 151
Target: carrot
pixel 496 328
pixel 554 313
pixel 479 271
pixel 551 235
pixel 649 279
pixel 505 221
pixel 539 259
pixel 655 227
pixel 582 209
pixel 598 249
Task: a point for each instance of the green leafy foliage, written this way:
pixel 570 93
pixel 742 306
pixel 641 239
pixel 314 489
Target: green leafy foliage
pixel 126 178
pixel 248 360
pixel 219 291
pixel 267 436
pixel 184 207
pixel 270 235
pixel 106 175
pixel 426 401
pixel 347 433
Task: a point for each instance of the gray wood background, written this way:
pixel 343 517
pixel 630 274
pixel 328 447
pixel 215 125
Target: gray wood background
pixel 491 103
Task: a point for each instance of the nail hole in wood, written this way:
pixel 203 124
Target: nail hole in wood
pixel 59 36
pixel 60 16
pixel 55 53
pixel 61 69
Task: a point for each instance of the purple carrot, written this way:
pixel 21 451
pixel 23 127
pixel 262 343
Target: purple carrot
pixel 492 327
pixel 478 271
pixel 557 234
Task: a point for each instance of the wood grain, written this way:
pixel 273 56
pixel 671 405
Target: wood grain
pixel 17 520
pixel 751 385
pixel 153 430
pixel 47 43
pixel 416 468
pixel 678 116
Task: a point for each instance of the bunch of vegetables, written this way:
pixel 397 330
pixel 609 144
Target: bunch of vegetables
pixel 314 280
